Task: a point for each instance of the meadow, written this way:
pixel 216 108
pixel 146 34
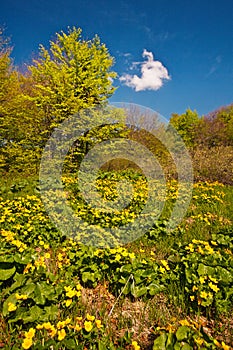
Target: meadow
pixel 88 288
pixel 165 290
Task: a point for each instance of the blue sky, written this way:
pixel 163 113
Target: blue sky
pixel 170 55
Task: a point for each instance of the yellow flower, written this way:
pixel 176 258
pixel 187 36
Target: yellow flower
pixel 213 279
pixel 27 343
pixel 88 326
pixel 202 279
pixel 224 346
pixel 184 323
pixel 39 326
pixel 59 265
pixel 21 297
pixel 125 253
pixel 30 333
pixel 28 267
pixel 217 343
pixel 90 318
pixel 67 320
pixel 61 334
pixel 194 288
pixel 213 287
pixel 47 255
pixel 199 341
pixel 190 248
pixel 192 297
pixel 132 255
pixel 98 323
pixel 200 250
pixel 52 331
pixel 70 293
pixel 60 257
pixel 203 295
pixel 117 257
pixel 61 324
pixel 11 307
pixel 79 287
pixel 135 345
pixel 68 302
pixel 47 325
pixel 77 327
pixel 162 269
pixel 165 264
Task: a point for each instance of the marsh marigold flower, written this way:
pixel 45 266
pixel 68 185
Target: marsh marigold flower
pixel 88 326
pixel 27 343
pixel 98 323
pixel 135 345
pixel 68 302
pixel 225 346
pixel 11 307
pixel 30 333
pixel 61 334
pixel 90 318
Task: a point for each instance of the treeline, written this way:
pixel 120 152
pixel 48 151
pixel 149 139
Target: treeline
pixel 73 74
pixel 210 142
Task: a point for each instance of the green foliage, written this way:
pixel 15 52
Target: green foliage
pixel 205 270
pixel 73 74
pixel 187 336
pixel 45 276
pixel 186 124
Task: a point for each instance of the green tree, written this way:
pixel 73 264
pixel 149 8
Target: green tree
pixel 186 124
pixel 73 74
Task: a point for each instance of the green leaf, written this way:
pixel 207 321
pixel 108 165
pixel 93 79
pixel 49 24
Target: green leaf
pixel 11 299
pixel 69 343
pixel 6 259
pixel 39 297
pixel 206 270
pixel 182 333
pixel 155 288
pixel 224 274
pixel 160 342
pixel 88 276
pixel 28 288
pixel 19 281
pixel 51 312
pixel 34 314
pixel 138 291
pixel 170 341
pixel 6 274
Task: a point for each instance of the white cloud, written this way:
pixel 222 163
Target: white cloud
pixel 153 74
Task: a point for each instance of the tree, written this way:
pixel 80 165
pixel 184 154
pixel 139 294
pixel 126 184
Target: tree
pixel 73 74
pixel 216 128
pixel 186 124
